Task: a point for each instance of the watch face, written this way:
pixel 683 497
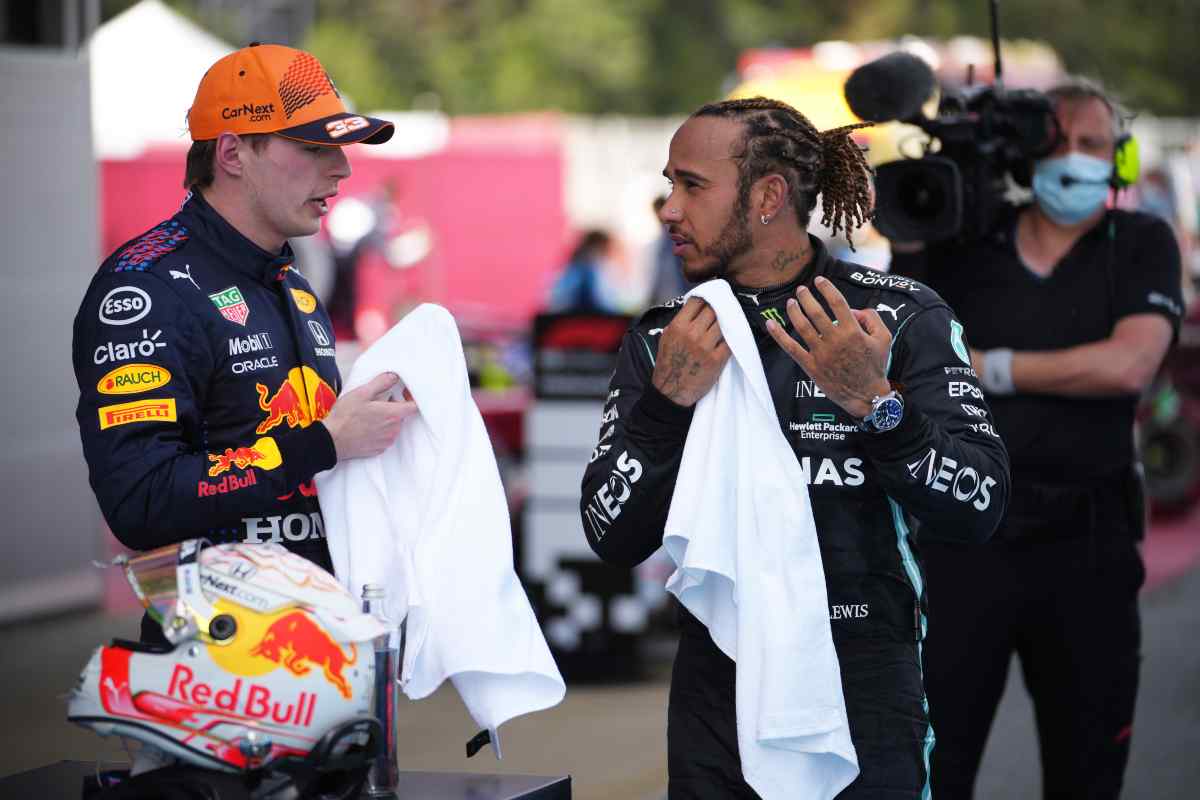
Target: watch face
pixel 887 414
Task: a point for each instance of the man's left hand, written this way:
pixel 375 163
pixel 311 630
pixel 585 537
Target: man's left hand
pixel 846 356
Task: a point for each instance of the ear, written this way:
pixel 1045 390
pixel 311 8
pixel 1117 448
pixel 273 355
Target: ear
pixel 228 157
pixel 770 196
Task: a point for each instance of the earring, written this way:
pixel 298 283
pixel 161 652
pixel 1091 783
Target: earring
pixel 765 219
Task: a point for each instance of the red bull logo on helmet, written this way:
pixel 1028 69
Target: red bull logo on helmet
pixel 250 699
pixel 297 643
pixel 300 401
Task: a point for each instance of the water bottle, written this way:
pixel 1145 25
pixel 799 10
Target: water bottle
pixel 384 775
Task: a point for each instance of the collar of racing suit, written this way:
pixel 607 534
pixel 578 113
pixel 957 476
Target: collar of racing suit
pixel 756 300
pixel 235 249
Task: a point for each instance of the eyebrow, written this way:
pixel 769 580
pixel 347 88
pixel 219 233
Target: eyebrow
pixel 683 173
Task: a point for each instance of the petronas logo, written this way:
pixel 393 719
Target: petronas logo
pixel 956 341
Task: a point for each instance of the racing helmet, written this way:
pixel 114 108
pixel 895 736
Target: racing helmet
pixel 268 655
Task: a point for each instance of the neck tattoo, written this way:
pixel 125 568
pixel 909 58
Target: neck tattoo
pixel 783 259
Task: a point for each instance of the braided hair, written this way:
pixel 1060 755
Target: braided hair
pixel 780 139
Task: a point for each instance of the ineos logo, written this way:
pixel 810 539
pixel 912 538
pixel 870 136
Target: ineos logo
pixel 318 333
pixel 124 305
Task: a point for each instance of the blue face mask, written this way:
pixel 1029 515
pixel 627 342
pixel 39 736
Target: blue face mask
pixel 1084 192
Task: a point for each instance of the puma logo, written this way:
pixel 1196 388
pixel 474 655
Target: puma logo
pixel 176 274
pixel 753 297
pixel 890 310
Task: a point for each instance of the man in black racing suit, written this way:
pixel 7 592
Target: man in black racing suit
pixel 206 366
pixel 942 464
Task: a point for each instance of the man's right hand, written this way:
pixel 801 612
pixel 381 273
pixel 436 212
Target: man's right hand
pixel 364 422
pixel 691 354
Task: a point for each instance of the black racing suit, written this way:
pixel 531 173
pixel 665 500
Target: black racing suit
pixel 204 363
pixel 942 464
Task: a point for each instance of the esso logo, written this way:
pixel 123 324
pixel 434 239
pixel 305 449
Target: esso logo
pixel 124 305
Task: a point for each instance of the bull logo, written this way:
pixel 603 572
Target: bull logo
pixel 264 454
pixel 297 643
pixel 302 399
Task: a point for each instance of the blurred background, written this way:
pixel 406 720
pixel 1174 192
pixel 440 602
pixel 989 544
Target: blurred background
pixel 530 138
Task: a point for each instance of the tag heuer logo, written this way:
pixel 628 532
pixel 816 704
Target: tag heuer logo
pixel 231 304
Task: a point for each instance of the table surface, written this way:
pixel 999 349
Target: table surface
pixel 64 780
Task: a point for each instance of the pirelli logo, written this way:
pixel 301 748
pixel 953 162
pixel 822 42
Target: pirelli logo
pixel 138 411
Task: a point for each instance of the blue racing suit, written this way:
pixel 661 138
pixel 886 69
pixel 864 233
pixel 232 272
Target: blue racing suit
pixel 204 364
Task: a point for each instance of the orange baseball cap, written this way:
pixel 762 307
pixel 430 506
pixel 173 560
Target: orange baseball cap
pixel 269 88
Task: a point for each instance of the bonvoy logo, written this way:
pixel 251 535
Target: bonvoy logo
pixel 886 281
pixel 124 305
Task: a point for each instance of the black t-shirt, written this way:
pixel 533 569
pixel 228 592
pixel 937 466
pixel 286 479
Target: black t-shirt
pixel 1127 264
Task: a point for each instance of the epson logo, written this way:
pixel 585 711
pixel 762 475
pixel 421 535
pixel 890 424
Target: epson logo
pixel 124 306
pixel 964 389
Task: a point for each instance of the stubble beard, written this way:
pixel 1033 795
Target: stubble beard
pixel 733 241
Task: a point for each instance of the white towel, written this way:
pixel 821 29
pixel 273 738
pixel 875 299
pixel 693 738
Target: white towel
pixel 740 530
pixel 428 520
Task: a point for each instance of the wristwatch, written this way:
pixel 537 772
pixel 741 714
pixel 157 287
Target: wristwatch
pixel 886 412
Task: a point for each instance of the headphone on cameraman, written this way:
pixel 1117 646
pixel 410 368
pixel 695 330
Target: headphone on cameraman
pixel 1127 164
pixel 1126 158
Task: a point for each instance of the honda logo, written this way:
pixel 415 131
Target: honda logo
pixel 318 333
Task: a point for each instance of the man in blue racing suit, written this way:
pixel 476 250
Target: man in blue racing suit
pixel 208 384
pixel 881 406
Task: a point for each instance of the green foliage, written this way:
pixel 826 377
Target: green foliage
pixel 669 56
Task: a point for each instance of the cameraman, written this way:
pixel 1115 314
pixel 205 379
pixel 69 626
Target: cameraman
pixel 1074 306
